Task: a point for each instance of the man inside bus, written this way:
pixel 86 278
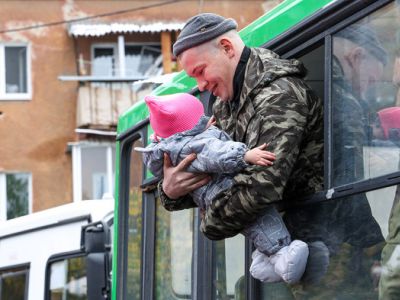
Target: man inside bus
pixel 357 64
pixel 261 98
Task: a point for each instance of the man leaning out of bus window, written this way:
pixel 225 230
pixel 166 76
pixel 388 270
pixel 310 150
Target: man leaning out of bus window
pixel 261 98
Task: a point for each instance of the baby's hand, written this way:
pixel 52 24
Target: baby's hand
pixel 211 122
pixel 258 156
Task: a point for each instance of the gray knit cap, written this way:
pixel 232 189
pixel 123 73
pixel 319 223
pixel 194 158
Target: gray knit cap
pixel 200 29
pixel 366 37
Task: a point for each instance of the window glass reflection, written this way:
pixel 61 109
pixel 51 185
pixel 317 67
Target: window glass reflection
pixel 229 269
pixel 361 234
pixel 68 279
pixel 17 188
pixel 173 257
pixel 366 113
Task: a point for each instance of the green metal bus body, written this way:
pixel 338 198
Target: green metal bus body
pixel 295 28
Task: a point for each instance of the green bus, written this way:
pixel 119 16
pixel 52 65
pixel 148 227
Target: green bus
pixel 162 255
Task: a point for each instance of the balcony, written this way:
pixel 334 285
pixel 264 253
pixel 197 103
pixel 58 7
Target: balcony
pixel 117 65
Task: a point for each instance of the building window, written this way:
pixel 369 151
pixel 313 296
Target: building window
pixel 93 171
pixel 103 61
pixel 142 60
pixel 139 60
pixel 15 195
pixel 14 72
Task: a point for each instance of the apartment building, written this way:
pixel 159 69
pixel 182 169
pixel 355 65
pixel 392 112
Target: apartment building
pixel 67 70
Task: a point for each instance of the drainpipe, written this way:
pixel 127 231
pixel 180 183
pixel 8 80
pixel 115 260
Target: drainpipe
pixel 121 56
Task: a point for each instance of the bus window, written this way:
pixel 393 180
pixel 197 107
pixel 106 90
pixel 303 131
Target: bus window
pixel 365 111
pixel 68 279
pixel 229 268
pixel 173 254
pixel 135 224
pixel 14 283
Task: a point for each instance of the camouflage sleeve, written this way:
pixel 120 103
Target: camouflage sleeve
pixel 174 204
pixel 283 119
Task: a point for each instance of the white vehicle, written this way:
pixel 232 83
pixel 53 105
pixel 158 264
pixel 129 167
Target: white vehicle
pixel 58 253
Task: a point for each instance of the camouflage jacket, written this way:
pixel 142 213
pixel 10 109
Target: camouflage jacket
pixel 276 107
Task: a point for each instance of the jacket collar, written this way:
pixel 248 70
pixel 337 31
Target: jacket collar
pixel 263 67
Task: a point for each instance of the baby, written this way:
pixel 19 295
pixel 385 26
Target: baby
pixel 181 128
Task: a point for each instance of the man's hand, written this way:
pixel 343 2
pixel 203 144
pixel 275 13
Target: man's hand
pixel 177 182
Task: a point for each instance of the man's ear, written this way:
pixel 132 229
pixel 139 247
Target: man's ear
pixel 355 56
pixel 227 46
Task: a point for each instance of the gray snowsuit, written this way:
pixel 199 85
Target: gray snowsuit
pixel 221 157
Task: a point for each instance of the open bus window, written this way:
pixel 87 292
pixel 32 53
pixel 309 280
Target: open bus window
pixel 134 223
pixel 173 257
pixel 314 62
pixel 229 269
pixel 14 283
pixel 68 279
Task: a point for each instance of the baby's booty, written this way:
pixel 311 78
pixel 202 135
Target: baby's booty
pixel 290 262
pixel 262 269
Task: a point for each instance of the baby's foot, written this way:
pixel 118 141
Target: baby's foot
pixel 290 262
pixel 262 269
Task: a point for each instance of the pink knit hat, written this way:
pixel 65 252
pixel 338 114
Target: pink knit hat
pixel 389 118
pixel 174 113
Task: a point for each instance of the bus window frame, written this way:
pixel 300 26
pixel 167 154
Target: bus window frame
pixel 126 141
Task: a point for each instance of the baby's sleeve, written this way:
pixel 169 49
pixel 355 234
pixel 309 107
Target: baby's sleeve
pixel 216 155
pixel 153 158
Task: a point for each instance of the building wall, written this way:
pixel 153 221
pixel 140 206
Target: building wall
pixel 34 133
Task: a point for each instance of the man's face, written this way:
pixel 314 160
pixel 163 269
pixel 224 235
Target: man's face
pixel 212 68
pixel 366 73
